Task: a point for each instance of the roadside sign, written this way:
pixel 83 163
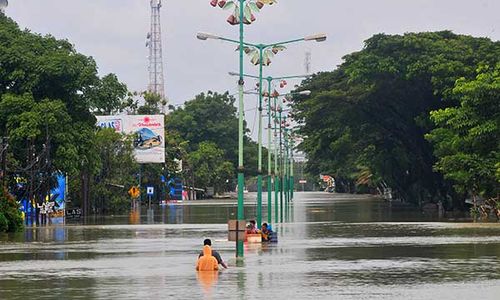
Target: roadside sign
pixel 236 230
pixel 302 181
pixel 150 190
pixel 134 192
pixel 74 213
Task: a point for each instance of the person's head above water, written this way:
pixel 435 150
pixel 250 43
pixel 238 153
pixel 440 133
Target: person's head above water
pixel 207 242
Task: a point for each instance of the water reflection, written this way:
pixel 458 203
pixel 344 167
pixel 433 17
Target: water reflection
pixel 207 279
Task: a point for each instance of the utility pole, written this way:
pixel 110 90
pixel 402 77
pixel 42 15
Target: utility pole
pixel 3 160
pixel 31 165
pixel 47 168
pixel 153 43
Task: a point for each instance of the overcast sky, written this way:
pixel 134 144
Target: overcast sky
pixel 114 33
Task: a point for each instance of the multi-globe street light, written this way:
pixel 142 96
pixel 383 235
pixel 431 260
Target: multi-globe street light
pixel 271 174
pixel 261 54
pixel 278 155
pixel 242 14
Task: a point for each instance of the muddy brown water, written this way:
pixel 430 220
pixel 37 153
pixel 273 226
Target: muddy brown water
pixel 331 246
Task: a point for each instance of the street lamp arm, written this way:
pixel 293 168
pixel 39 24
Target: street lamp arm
pixel 303 93
pixel 288 77
pixel 205 36
pixel 315 37
pixel 236 42
pixel 320 37
pixel 244 75
pixel 269 78
pixel 282 43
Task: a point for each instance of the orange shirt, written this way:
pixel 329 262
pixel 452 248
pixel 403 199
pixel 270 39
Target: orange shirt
pixel 207 262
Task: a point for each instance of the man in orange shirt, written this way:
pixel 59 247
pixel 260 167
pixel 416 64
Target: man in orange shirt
pixel 214 253
pixel 207 262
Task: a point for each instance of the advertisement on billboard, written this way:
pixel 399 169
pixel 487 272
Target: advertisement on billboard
pixel 148 132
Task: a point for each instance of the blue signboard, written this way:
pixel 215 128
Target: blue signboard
pixel 58 193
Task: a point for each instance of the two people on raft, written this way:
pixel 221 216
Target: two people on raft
pixel 265 230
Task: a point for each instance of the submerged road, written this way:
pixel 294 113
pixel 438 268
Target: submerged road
pixel 331 247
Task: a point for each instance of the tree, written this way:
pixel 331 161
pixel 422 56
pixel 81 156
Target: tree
pixel 210 167
pixel 467 137
pixel 108 96
pixel 10 215
pixel 152 104
pixel 212 117
pixel 115 173
pixel 370 115
pixel 47 94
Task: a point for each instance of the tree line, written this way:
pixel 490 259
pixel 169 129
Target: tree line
pixel 49 97
pixel 418 113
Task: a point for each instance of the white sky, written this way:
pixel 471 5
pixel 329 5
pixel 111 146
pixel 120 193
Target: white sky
pixel 114 33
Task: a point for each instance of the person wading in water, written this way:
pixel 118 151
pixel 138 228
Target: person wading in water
pixel 208 242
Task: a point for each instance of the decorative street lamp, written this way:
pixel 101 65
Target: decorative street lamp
pixel 242 13
pixel 280 120
pixel 272 174
pixel 261 55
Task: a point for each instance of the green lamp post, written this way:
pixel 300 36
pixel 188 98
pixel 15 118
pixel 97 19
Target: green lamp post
pixel 292 162
pixel 242 15
pixel 284 165
pixel 271 174
pixel 261 55
pixel 279 159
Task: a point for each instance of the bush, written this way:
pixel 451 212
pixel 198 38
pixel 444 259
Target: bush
pixel 10 215
pixel 4 224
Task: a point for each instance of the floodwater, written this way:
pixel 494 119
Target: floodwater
pixel 330 246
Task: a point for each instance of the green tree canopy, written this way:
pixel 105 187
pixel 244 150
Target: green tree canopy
pixel 108 96
pixel 467 138
pixel 48 92
pixel 212 118
pixel 211 168
pixel 372 112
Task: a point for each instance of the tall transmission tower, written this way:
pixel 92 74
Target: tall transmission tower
pixel 156 81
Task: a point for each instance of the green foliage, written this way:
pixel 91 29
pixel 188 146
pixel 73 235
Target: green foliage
pixel 212 118
pixel 211 169
pixel 10 216
pixel 47 93
pixel 115 172
pixel 43 86
pixel 371 114
pixel 108 96
pixel 467 138
pixel 152 104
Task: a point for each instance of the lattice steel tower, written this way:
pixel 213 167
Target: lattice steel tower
pixel 156 81
pixel 3 5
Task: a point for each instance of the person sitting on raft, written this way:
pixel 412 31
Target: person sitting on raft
pixel 251 228
pixel 207 262
pixel 266 232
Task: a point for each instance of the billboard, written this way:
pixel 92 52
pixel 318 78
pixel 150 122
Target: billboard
pixel 148 132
